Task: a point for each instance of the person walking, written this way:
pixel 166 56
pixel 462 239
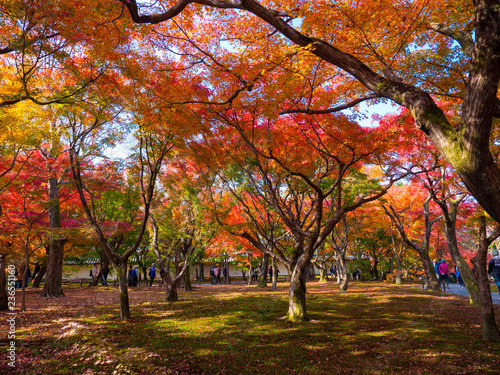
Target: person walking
pixel 135 275
pixel 435 265
pixel 494 268
pixel 152 274
pixel 444 274
pixel 217 274
pixel 458 276
pixel 105 273
pixel 213 279
pixel 129 276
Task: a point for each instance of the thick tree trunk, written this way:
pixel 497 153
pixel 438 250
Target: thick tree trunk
pixel 430 276
pixel 470 282
pixel 297 311
pixel 323 274
pixel 201 275
pixel 53 279
pixel 375 269
pixel 449 207
pixel 3 283
pixel 399 271
pixel 123 285
pixel 310 273
pixel 488 323
pixel 342 272
pixel 39 276
pixel 263 275
pixel 171 289
pixel 187 281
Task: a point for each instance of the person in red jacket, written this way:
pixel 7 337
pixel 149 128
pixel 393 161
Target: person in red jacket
pixel 444 274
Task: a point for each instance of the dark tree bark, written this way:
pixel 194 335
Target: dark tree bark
pixel 201 273
pixel 470 282
pixel 122 272
pixel 187 281
pixel 55 249
pixel 264 268
pixel 297 310
pixel 40 275
pixel 53 278
pixel 488 322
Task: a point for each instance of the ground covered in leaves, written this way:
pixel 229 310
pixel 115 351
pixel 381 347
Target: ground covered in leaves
pixel 373 328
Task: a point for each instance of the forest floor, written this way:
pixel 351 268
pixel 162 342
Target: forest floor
pixel 373 328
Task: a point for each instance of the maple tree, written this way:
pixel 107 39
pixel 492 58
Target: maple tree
pixel 150 155
pixel 183 223
pixel 402 217
pixel 304 171
pixel 454 57
pixel 26 221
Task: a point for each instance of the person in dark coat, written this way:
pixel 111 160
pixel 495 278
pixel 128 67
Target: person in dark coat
pixel 152 274
pixel 494 268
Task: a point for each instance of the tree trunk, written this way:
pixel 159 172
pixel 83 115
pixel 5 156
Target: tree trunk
pixel 323 273
pixel 25 281
pixel 187 280
pixel 429 274
pixel 470 282
pixel 399 272
pixel 3 283
pixel 123 284
pixel 274 285
pixel 171 288
pixel 297 311
pixel 39 276
pixel 53 280
pixel 488 323
pixel 342 272
pixel 263 275
pixel 375 269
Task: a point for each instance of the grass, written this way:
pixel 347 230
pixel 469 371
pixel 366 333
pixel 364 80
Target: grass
pixel 373 328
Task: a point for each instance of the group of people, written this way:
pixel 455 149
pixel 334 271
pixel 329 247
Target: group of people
pixel 19 275
pixel 271 272
pixel 104 275
pixel 216 273
pixel 442 272
pixel 132 277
